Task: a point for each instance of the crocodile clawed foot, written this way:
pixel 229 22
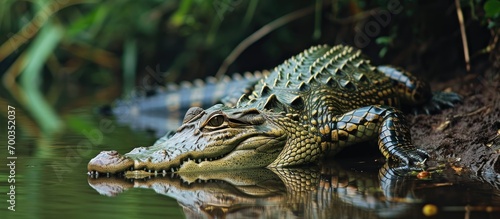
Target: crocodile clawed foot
pixel 440 100
pixel 418 157
pixel 411 160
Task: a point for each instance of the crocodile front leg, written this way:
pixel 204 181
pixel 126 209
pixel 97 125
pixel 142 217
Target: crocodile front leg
pixel 394 139
pixel 328 134
pixel 386 123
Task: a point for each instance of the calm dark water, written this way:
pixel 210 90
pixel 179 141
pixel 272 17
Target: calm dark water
pixel 51 174
pixel 51 181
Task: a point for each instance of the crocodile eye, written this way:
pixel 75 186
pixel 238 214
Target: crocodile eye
pixel 216 121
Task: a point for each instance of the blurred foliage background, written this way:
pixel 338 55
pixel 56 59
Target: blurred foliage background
pixel 57 55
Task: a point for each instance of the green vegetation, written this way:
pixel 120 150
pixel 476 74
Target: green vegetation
pixel 492 11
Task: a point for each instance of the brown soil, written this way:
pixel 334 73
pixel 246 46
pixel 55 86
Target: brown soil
pixel 467 135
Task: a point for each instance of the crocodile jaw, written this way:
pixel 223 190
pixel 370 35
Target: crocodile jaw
pixel 241 157
pixel 187 152
pixel 191 150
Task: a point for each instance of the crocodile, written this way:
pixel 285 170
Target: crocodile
pixel 309 107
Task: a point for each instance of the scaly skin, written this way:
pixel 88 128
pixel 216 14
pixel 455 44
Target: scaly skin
pixel 309 107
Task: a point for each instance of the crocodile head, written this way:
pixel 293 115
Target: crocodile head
pixel 217 138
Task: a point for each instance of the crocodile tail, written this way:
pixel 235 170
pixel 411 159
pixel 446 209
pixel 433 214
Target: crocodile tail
pixel 166 107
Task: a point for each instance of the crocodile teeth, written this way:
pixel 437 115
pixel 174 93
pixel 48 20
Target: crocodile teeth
pixel 199 160
pixel 172 169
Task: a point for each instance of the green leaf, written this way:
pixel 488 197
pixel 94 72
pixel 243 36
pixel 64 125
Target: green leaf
pixel 178 18
pixel 492 8
pixel 42 47
pixel 93 20
pixel 382 52
pixel 384 40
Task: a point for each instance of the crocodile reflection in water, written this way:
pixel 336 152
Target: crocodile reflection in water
pixel 318 192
